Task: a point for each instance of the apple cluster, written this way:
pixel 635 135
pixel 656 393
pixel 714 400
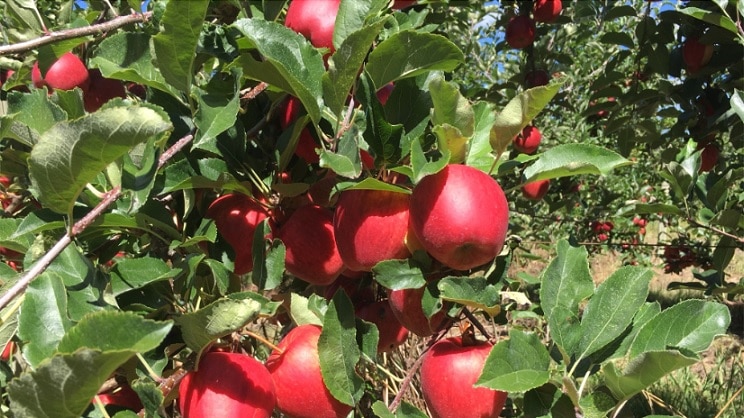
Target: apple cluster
pixel 520 31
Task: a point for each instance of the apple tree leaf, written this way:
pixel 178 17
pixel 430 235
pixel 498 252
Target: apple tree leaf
pixel 422 165
pixel 72 153
pixel 218 107
pixel 43 319
pixel 408 54
pixel 134 273
pixel 612 308
pixel 707 16
pixel 215 320
pixel 517 364
pixel 384 138
pixel 643 371
pixel 36 111
pixel 351 18
pixel 737 103
pixel 566 282
pixel 471 291
pixel 519 112
pixel 480 154
pixel 691 325
pixel 405 410
pixel 289 62
pixel 450 106
pixel 339 353
pixel 399 274
pixel 175 46
pixel 574 159
pixel 299 310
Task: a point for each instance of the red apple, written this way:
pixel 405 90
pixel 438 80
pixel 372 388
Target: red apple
pixel 371 226
pixel 402 4
pixel 7 351
pixel 406 306
pixel 383 94
pixel 460 215
pixel 696 54
pixel 236 217
pixel 101 90
pixel 295 370
pixel 546 11
pixel 309 237
pixel 520 32
pixel 124 397
pixel 448 371
pixel 227 385
pixel 66 73
pixel 536 190
pixel 536 78
pixel 709 156
pixel 314 19
pixel 392 333
pixel 306 145
pixel 528 140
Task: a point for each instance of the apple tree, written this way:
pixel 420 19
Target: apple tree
pixel 263 200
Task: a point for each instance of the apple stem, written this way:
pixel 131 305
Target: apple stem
pixel 476 323
pixel 263 340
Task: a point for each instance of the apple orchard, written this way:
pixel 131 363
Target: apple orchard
pixel 318 208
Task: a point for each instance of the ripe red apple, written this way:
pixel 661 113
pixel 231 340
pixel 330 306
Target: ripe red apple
pixel 101 90
pixel 520 32
pixel 406 306
pixel 402 4
pixel 709 156
pixel 546 11
pixel 536 78
pixel 306 145
pixel 392 333
pixel 696 54
pixel 236 217
pixel 295 369
pixel 460 215
pixel 448 371
pixel 383 94
pixel 309 237
pixel 66 73
pixel 314 19
pixel 124 397
pixel 371 226
pixel 227 385
pixel 536 190
pixel 528 140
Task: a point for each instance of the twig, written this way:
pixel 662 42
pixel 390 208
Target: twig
pixel 53 37
pixel 716 230
pixel 252 92
pixel 170 152
pixel 476 322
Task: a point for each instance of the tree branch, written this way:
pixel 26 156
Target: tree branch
pixel 53 37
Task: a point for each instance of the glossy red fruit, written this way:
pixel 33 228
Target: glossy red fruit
pixel 460 215
pixel 520 32
pixel 101 90
pixel 66 73
pixel 536 190
pixel 295 370
pixel 392 333
pixel 546 11
pixel 383 94
pixel 124 397
pixel 695 54
pixel 402 4
pixel 306 144
pixel 406 306
pixel 536 78
pixel 309 238
pixel 227 385
pixel 236 217
pixel 709 157
pixel 371 226
pixel 448 371
pixel 314 19
pixel 528 140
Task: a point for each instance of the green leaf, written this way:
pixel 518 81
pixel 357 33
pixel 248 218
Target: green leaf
pixel 680 176
pixel 351 18
pixel 43 320
pixel 36 111
pixel 268 264
pixel 370 183
pixel 519 112
pixel 384 139
pixel 109 331
pixel 300 311
pixel 339 353
pixel 127 56
pixel 215 320
pixel 409 53
pixel 617 38
pixel 135 273
pixel 405 410
pixel 71 154
pixel 480 154
pixel 423 166
pixel 572 160
pixel 218 106
pixel 643 371
pixel 450 107
pixel 289 62
pixel 691 325
pixel 597 403
pixel 175 46
pixel 471 291
pixel 566 282
pixel 612 308
pixel 517 364
pixel 399 274
pixel 737 100
pixel 150 395
pixel 344 64
pixel 714 18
